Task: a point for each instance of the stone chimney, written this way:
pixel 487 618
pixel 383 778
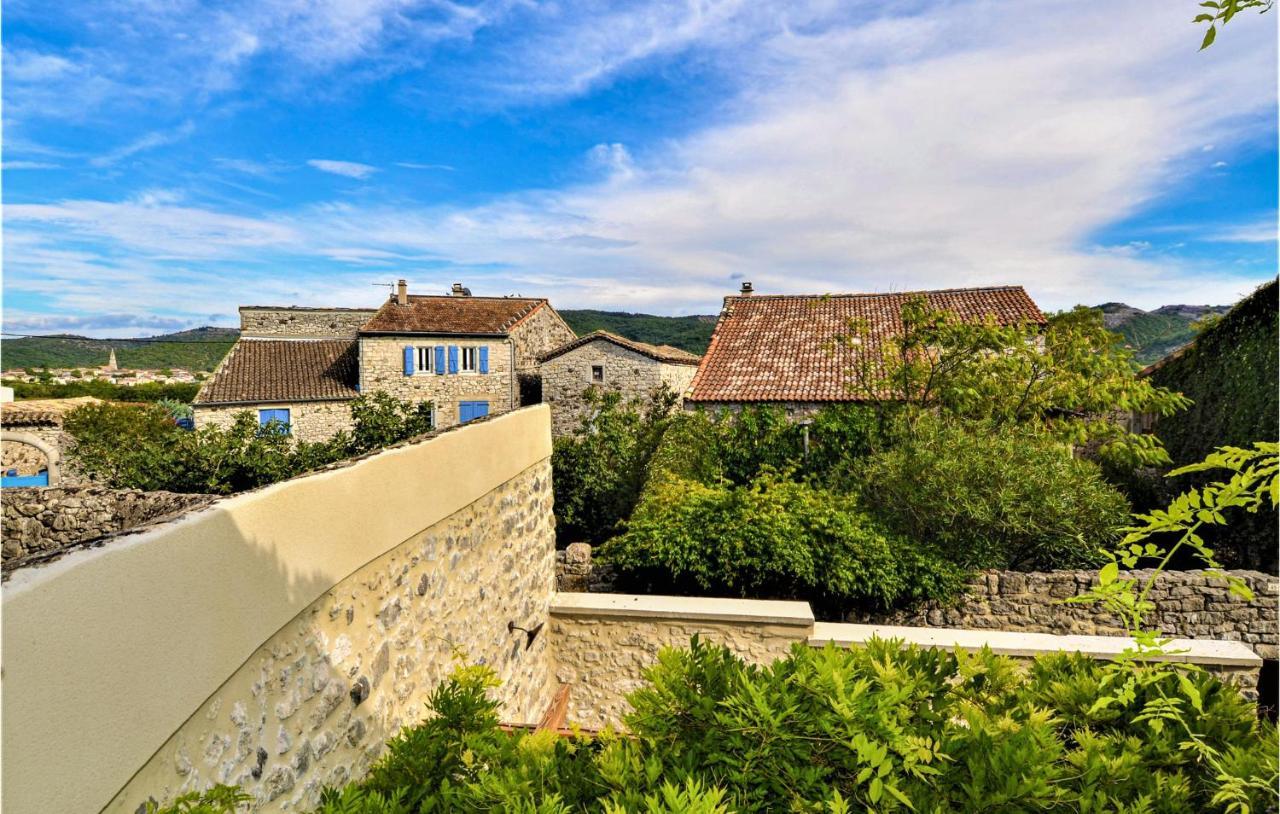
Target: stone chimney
pixel 747 290
pixel 402 293
pixel 460 291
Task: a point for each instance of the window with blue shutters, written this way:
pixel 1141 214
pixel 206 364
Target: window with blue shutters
pixel 408 360
pixel 274 420
pixel 453 358
pixel 439 360
pixel 471 410
pixel 426 359
pixel 484 359
pixel 470 360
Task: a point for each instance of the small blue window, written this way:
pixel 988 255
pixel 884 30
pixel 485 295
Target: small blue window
pixel 276 420
pixel 471 410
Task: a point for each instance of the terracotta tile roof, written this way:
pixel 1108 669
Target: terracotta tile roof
pixel 662 353
pixel 263 370
pixel 452 315
pixel 778 348
pixel 41 412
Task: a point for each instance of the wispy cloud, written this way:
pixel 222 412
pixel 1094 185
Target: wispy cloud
pixel 29 165
pixel 149 141
pixel 350 169
pixel 413 165
pixel 1262 231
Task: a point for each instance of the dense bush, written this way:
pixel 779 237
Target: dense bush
pixel 148 391
pixel 601 468
pixel 140 446
pixel 886 728
pixel 1012 498
pixel 775 538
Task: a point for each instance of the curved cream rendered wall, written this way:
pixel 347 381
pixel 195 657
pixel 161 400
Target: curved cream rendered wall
pixel 108 652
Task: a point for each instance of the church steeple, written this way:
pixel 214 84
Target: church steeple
pixel 111 361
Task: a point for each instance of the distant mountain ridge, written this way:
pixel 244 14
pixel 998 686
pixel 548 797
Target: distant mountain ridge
pixel 1157 333
pixel 195 349
pixel 691 333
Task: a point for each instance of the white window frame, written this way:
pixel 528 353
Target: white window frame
pixel 427 354
pixel 466 352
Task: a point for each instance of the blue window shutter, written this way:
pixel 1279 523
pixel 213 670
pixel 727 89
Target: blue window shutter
pixel 453 358
pixel 484 358
pixel 464 412
pixel 439 360
pixel 480 409
pixel 408 360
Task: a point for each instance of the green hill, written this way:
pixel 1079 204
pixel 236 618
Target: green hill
pixel 692 333
pixel 1155 334
pixel 196 349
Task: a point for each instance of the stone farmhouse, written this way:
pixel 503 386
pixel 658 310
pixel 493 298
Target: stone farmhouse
pixel 778 349
pixel 607 362
pixel 302 367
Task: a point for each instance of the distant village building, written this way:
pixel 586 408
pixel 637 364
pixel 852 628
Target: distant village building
pixel 302 367
pixel 607 362
pixel 778 349
pixel 111 361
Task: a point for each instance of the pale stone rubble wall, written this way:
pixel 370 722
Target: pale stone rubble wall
pixel 309 420
pixel 42 521
pixel 382 368
pixel 287 723
pixel 27 459
pixel 310 322
pixel 541 332
pixel 603 643
pixel 566 378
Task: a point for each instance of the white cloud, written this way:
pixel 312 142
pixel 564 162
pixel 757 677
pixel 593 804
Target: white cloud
pixel 148 141
pixel 350 169
pixel 29 165
pixel 1263 231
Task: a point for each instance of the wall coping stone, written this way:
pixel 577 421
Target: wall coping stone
pixel 689 608
pixel 1007 643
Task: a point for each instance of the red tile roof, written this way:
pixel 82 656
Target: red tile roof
pixel 779 348
pixel 662 353
pixel 283 370
pixel 452 315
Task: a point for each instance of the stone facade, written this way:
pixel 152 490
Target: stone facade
pixel 539 333
pixel 1188 604
pixel 567 377
pixel 315 705
pixel 382 368
pixel 41 522
pixel 28 459
pixel 309 420
pixel 310 322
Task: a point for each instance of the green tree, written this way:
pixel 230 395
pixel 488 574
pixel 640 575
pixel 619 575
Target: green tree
pixel 1220 12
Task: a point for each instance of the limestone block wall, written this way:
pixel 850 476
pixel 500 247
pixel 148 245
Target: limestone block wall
pixel 1188 603
pixel 540 332
pixel 40 522
pixel 567 377
pixel 25 458
pixel 310 420
pixel 227 643
pixel 268 321
pixel 382 368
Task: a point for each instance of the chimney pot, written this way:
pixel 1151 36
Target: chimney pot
pixel 460 291
pixel 402 293
pixel 747 290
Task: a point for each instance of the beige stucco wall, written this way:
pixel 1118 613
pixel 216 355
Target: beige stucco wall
pixel 541 332
pixel 567 377
pixel 382 368
pixel 150 627
pixel 310 420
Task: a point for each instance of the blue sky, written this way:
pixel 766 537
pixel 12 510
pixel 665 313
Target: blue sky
pixel 165 162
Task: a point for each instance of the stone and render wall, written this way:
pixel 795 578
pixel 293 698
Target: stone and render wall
pixel 25 458
pixel 541 332
pixel 231 639
pixel 602 643
pixel 1188 603
pixel 567 377
pixel 309 420
pixel 382 368
pixel 258 320
pixel 39 522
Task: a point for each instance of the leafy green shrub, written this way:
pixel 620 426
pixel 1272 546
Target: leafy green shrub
pixel 883 728
pixel 217 800
pixel 140 446
pixel 771 538
pixel 100 388
pixel 1012 498
pixel 601 468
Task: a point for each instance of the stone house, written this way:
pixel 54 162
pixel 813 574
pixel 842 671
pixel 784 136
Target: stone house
pixel 302 367
pixel 608 362
pixel 778 349
pixel 33 443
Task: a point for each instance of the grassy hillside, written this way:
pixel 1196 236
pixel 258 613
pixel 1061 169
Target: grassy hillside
pixel 197 349
pixel 692 333
pixel 1154 334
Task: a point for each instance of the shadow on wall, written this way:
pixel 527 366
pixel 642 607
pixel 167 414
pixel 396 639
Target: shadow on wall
pixel 296 592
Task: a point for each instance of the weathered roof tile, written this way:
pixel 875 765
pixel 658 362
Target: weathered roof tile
pixel 452 315
pixel 283 370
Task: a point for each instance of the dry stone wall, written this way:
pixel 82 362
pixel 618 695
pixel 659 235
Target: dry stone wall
pixel 260 321
pixel 40 522
pixel 1188 604
pixel 310 420
pixel 28 459
pixel 382 368
pixel 541 332
pixel 315 705
pixel 566 378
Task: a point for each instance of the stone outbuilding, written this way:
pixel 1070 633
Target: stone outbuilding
pixel 608 362
pixel 33 441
